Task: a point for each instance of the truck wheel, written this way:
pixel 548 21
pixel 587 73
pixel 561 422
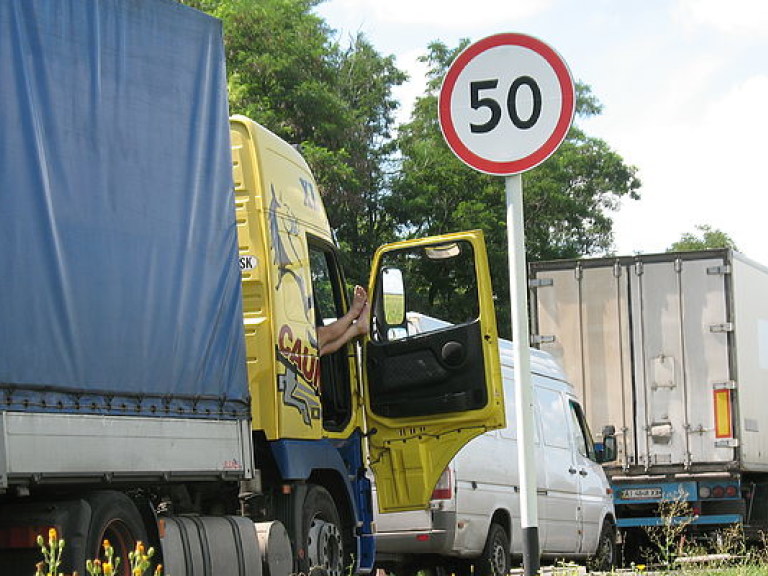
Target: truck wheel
pixel 495 560
pixel 633 548
pixel 321 533
pixel 114 517
pixel 460 568
pixel 604 559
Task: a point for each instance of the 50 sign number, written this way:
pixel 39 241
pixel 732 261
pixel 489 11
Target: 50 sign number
pixel 476 102
pixel 506 104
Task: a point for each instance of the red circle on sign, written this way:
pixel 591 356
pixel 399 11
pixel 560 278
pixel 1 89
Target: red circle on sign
pixel 561 127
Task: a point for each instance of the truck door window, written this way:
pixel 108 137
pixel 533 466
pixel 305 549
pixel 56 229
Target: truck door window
pixel 439 284
pixel 426 343
pixel 327 287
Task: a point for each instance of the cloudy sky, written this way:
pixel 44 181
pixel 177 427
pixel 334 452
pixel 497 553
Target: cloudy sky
pixel 684 85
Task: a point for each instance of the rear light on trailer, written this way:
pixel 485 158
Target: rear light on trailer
pixel 722 403
pixel 24 536
pixel 718 491
pixel 443 489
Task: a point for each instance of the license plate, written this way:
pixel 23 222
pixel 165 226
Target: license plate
pixel 640 493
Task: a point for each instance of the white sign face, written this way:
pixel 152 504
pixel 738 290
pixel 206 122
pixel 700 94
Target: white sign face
pixel 506 104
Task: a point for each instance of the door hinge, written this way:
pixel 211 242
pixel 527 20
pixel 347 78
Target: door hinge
pixel 724 327
pixel 727 443
pixel 727 385
pixel 719 270
pixel 540 283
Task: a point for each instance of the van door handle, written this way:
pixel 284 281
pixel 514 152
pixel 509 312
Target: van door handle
pixel 572 470
pixel 583 472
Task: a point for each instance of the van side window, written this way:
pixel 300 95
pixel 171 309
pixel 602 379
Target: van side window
pixel 582 437
pixel 553 417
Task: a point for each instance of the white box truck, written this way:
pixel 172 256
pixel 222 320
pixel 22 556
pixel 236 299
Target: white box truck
pixel 473 522
pixel 670 352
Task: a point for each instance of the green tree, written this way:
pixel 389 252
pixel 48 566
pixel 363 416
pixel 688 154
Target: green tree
pixel 706 238
pixel 288 72
pixel 567 200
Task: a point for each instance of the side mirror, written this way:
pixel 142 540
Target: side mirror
pixel 393 293
pixel 607 450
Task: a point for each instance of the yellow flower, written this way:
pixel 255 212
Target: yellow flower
pixel 107 566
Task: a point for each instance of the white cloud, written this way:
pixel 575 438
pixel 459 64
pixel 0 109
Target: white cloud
pixel 448 14
pixel 733 16
pixel 705 169
pixel 416 85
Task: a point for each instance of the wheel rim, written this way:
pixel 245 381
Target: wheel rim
pixel 122 541
pixel 324 547
pixel 604 554
pixel 498 560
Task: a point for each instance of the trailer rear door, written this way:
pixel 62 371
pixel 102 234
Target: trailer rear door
pixel 646 342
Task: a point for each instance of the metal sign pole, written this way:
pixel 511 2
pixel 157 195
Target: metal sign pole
pixel 518 296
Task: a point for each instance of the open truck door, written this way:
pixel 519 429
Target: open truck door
pixel 429 392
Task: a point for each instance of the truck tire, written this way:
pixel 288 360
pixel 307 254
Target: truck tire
pixel 495 559
pixel 322 539
pixel 604 558
pixel 114 517
pixel 634 546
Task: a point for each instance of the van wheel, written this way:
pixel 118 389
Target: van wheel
pixel 321 533
pixel 604 558
pixel 114 517
pixel 495 560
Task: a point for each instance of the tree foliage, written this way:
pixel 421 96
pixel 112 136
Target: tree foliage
pixel 706 238
pixel 288 72
pixel 568 199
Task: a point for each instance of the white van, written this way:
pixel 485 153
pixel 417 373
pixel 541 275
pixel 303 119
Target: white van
pixel 474 515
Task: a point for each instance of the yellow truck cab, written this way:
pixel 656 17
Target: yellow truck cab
pixel 401 406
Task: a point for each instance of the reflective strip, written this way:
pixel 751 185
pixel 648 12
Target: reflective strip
pixel 723 425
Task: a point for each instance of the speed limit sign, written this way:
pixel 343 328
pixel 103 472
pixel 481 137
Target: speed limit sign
pixel 506 104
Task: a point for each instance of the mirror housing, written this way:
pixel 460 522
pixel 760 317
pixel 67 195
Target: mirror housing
pixel 392 301
pixel 607 450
